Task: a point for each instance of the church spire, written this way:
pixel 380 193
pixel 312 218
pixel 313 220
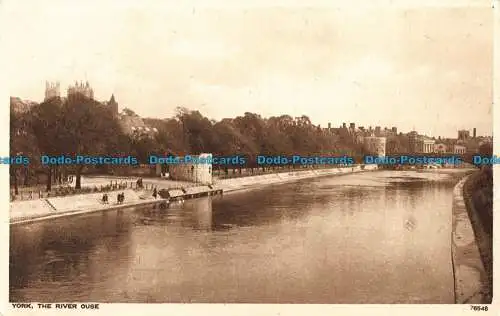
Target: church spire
pixel 113 104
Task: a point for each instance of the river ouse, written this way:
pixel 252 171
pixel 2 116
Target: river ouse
pixel 373 237
pixel 325 153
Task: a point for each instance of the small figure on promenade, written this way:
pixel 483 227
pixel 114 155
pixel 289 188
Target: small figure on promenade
pixel 155 193
pixel 139 183
pixel 119 198
pixel 123 197
pixel 105 198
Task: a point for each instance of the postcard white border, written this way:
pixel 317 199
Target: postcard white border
pixel 247 309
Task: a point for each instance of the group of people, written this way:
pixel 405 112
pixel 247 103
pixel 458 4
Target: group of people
pixel 105 198
pixel 119 198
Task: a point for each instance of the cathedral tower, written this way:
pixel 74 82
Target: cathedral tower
pixel 52 90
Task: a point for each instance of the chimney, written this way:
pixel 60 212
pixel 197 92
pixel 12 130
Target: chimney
pixel 329 126
pixel 474 132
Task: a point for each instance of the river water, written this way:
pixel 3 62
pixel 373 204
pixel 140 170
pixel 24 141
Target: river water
pixel 374 237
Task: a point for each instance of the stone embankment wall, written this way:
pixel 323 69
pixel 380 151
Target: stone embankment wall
pixel 229 185
pixel 472 284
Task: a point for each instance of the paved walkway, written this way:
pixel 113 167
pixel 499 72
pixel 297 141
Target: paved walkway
pixel 90 181
pixel 39 192
pixel 469 273
pixel 42 209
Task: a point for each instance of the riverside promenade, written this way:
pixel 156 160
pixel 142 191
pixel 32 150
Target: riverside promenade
pixel 471 280
pixel 47 208
pixel 24 212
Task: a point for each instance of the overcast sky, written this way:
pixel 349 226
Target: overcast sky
pixel 428 68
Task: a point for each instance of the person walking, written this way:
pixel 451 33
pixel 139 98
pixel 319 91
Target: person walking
pixel 155 193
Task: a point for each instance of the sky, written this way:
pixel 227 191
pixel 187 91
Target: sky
pixel 423 67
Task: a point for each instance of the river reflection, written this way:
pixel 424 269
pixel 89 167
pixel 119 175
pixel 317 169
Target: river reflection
pixel 363 238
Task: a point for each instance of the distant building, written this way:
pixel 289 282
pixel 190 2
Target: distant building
pixel 463 134
pixel 425 145
pixel 375 145
pixel 459 149
pixel 80 88
pixel 359 137
pixel 21 106
pixel 412 141
pixel 52 90
pixel 485 140
pixel 472 145
pixel 134 126
pixel 440 148
pixel 112 105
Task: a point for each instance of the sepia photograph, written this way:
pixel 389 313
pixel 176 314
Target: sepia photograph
pixel 267 154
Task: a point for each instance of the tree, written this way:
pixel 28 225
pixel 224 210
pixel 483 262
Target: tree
pixel 486 149
pixel 87 128
pixel 129 112
pixel 16 144
pixel 48 132
pixel 170 137
pixel 197 130
pixel 231 141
